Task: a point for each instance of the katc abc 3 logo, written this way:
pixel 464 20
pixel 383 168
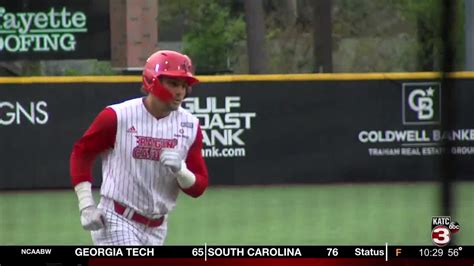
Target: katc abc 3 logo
pixel 442 229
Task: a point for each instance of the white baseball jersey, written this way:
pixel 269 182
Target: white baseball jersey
pixel 132 173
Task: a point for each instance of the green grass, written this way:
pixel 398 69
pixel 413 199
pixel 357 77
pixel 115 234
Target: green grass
pixel 369 214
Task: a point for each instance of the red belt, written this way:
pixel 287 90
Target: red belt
pixel 120 209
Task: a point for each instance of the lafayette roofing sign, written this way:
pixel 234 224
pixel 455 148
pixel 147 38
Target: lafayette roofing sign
pixel 53 30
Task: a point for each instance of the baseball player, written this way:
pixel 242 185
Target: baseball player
pixel 150 149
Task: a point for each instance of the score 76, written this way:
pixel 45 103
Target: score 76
pixel 332 252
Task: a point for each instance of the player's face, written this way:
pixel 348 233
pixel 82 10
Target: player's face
pixel 178 88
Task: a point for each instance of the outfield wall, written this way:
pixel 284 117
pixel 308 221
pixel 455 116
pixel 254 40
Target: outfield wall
pixel 260 129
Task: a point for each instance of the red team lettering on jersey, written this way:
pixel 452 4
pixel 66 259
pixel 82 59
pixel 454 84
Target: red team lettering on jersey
pixel 130 139
pixel 149 148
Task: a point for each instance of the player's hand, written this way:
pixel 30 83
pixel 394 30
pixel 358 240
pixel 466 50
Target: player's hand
pixel 171 159
pixel 92 218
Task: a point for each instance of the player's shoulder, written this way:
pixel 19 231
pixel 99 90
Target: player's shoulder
pixel 186 116
pixel 186 113
pixel 126 104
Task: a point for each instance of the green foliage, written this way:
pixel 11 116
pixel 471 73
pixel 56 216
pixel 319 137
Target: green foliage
pixel 30 68
pixel 390 35
pixel 364 18
pixel 211 42
pixel 72 72
pixel 418 24
pixel 429 17
pixel 103 68
pixel 90 67
pixel 212 34
pixel 428 11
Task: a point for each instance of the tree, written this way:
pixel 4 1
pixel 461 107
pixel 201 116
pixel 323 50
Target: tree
pixel 428 16
pixel 322 35
pixel 254 18
pixel 212 33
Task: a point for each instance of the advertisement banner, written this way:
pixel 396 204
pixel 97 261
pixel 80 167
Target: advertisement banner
pixel 45 29
pixel 259 132
pixel 39 124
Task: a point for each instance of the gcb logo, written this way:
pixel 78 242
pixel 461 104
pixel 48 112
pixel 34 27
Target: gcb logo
pixel 421 103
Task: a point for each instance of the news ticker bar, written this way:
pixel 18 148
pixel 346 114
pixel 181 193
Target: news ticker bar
pixel 206 252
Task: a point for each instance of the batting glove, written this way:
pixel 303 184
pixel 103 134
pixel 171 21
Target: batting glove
pixel 91 217
pixel 172 159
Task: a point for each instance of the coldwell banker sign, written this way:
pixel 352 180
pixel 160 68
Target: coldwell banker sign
pixel 421 134
pixel 53 30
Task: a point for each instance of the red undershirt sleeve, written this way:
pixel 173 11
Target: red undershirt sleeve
pixel 195 163
pixel 98 138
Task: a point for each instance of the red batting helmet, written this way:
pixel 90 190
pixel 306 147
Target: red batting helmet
pixel 169 64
